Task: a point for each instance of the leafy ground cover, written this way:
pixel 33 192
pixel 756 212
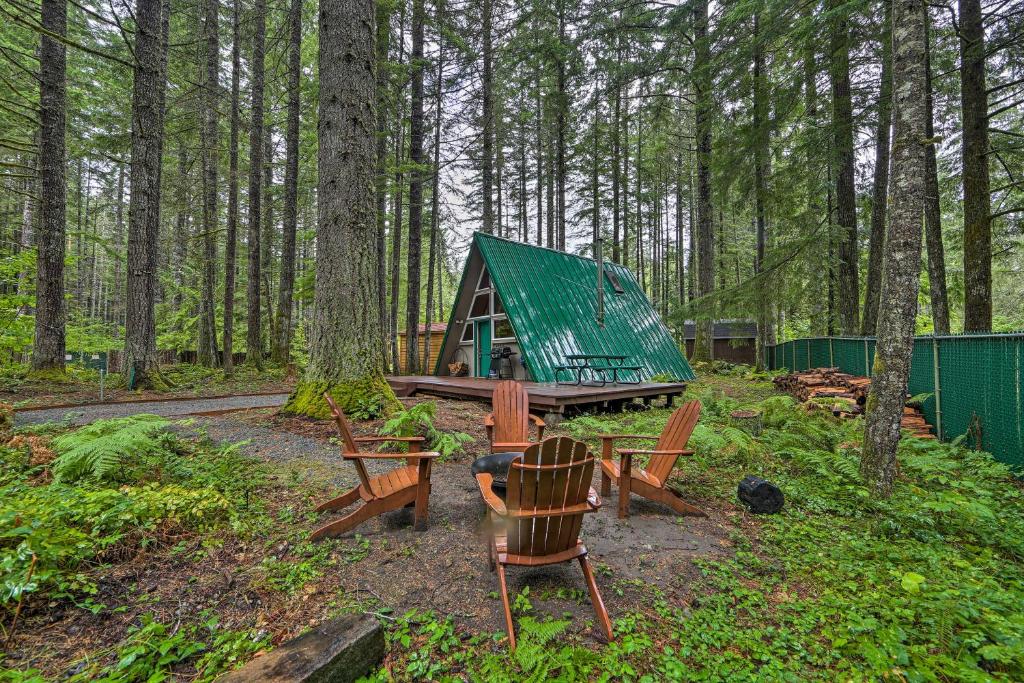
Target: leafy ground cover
pixel 926 586
pixel 80 385
pixel 157 552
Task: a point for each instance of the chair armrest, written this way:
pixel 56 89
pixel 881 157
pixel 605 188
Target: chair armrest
pixel 382 439
pixel 536 420
pixel 484 480
pixel 389 456
pixel 627 436
pixel 640 451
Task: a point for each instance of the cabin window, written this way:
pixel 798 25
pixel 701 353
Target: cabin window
pixel 481 306
pixel 503 329
pixel 485 280
pixel 498 308
pixel 467 333
pixel 613 280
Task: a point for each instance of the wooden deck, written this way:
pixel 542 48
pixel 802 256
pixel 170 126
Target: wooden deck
pixel 546 398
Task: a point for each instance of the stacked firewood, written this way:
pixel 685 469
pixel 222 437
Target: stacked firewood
pixel 843 394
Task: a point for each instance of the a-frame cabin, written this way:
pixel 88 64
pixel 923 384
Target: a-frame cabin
pixel 543 305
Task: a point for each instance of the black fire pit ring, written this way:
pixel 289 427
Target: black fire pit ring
pixel 496 465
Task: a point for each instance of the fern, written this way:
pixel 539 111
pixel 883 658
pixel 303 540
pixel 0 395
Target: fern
pixel 100 450
pixel 418 420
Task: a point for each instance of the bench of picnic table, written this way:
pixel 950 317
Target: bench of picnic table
pixel 598 365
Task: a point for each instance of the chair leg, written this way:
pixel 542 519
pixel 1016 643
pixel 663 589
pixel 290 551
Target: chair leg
pixel 606 485
pixel 350 521
pixel 595 597
pixel 339 503
pixel 508 608
pixel 422 495
pixel 682 507
pixel 624 481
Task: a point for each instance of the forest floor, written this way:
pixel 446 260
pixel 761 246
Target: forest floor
pixel 733 596
pixel 20 389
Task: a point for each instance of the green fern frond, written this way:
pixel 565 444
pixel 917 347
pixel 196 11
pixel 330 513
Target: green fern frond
pixel 99 450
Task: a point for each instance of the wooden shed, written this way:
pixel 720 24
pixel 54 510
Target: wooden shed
pixel 734 340
pixel 437 331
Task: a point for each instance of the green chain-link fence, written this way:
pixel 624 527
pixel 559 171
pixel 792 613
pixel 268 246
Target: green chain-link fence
pixel 976 382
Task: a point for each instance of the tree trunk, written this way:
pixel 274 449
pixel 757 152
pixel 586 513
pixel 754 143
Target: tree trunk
pixel 206 353
pixel 290 217
pixel 846 198
pixel 539 134
pixel 561 105
pixel 383 85
pixel 345 341
pixel 435 198
pixel 253 336
pixel 761 151
pixel 140 361
pixel 616 156
pixel 932 208
pixel 977 208
pixel 702 346
pixel 880 189
pixel 267 242
pixel 884 409
pixel 231 240
pixel 415 253
pixel 487 114
pixel 48 347
pixel 399 193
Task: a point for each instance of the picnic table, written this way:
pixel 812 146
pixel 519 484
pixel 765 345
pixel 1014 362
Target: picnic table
pixel 597 366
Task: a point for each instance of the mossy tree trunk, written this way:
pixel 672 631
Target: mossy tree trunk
pixel 346 357
pixel 898 308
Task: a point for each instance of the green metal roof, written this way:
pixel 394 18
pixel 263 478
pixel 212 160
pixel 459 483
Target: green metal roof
pixel 551 302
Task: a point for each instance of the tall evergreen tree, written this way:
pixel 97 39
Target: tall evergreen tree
pixel 345 356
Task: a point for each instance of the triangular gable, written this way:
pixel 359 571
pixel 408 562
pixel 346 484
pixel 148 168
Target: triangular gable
pixel 551 302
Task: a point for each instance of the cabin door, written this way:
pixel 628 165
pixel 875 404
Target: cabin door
pixel 482 344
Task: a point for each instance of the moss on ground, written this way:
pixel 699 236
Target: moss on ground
pixel 364 398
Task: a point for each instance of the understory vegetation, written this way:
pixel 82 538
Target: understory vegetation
pixel 925 586
pixel 77 501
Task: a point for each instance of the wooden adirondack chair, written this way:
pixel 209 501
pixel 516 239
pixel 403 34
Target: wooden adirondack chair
pixel 508 425
pixel 539 522
pixel 649 482
pixel 401 487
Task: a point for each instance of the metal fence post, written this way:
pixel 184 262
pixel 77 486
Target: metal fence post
pixel 867 365
pixel 938 387
pixel 831 356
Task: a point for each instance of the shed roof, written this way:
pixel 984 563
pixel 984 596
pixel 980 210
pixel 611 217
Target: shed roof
pixel 724 329
pixel 551 301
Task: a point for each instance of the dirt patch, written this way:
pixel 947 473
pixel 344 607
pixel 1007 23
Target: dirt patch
pixel 383 567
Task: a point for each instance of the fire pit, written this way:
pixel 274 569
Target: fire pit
pixel 496 465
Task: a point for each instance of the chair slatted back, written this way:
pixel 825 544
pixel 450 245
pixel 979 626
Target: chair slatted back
pixel 511 406
pixel 348 443
pixel 673 438
pixel 549 477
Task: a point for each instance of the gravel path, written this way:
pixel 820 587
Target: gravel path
pixel 188 406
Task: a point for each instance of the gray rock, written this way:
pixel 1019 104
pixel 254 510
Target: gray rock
pixel 339 651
